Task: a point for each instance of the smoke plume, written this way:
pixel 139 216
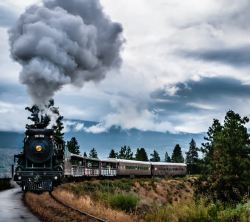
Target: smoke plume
pixel 64 42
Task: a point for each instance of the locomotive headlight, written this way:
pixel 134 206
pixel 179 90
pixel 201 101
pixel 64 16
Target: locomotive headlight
pixel 39 148
pixel 19 178
pixel 55 177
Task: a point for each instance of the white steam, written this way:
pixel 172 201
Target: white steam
pixel 64 42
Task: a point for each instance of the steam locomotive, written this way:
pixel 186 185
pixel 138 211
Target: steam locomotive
pixel 41 164
pixel 44 163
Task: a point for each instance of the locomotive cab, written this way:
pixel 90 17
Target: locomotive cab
pixel 40 166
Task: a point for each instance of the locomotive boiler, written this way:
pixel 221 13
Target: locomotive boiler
pixel 40 165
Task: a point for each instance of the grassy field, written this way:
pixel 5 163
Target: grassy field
pixel 136 198
pixel 143 200
pixel 199 210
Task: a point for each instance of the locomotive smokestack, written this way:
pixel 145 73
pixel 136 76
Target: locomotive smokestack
pixel 64 42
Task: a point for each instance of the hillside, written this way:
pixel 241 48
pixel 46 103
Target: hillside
pixel 137 200
pixel 116 200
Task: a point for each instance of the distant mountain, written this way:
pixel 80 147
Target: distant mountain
pixel 11 139
pixel 114 138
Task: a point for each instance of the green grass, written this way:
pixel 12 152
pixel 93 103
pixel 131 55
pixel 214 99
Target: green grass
pixel 125 202
pixel 113 193
pixel 116 193
pixel 199 211
pixel 122 201
pixel 119 194
pixel 89 187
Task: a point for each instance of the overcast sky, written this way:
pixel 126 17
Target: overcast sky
pixel 184 63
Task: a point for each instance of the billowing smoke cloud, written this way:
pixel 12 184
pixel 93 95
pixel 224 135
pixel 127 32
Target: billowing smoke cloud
pixel 64 42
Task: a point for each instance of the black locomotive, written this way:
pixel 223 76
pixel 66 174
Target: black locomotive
pixel 41 164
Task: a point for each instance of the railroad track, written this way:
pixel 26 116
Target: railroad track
pixel 88 216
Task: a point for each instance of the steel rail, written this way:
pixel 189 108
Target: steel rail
pixel 77 210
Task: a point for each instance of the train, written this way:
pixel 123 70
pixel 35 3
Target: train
pixel 40 165
pixel 80 166
pixel 45 163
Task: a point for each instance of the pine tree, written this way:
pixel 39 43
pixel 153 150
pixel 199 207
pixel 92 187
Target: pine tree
pixel 41 119
pixel 113 154
pixel 155 157
pixel 192 158
pixel 38 119
pixel 177 156
pixel 129 154
pixel 85 154
pixel 122 152
pixel 125 153
pixel 34 116
pixel 93 153
pixel 73 146
pixel 141 154
pixel 44 121
pixel 208 147
pixel 227 158
pixel 167 158
pixel 58 128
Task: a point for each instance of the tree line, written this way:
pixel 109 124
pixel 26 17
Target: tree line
pixel 141 155
pixel 125 152
pixel 73 147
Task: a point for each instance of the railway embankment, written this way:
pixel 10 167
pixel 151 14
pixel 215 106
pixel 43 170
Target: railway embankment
pixel 116 200
pixel 136 200
pixel 48 207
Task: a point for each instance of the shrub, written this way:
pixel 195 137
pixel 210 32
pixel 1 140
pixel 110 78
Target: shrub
pixel 199 211
pixel 182 212
pixel 102 196
pixel 124 184
pixel 125 202
pixel 240 213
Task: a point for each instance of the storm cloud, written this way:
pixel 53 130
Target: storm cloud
pixel 237 56
pixel 204 94
pixel 183 64
pixel 226 39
